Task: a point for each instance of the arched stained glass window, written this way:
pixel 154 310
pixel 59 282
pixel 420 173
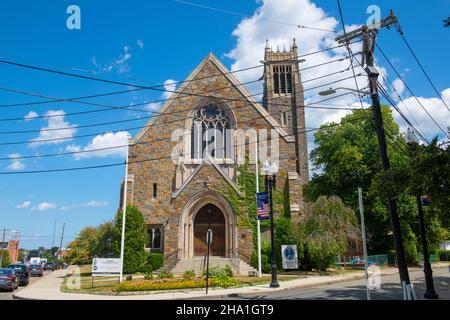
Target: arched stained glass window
pixel 210 133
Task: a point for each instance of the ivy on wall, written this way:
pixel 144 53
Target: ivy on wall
pixel 244 205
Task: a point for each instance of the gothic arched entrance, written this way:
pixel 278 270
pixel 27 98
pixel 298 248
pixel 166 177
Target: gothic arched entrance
pixel 209 217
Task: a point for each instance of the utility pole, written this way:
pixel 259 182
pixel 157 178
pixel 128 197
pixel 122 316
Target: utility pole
pixel 3 241
pixel 61 242
pixel 54 230
pixel 369 34
pixel 363 234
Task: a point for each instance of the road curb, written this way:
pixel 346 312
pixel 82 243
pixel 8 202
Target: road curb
pixel 308 285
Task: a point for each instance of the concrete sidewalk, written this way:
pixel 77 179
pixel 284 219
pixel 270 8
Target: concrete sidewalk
pixel 48 288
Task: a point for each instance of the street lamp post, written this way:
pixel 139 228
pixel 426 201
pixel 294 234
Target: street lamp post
pixel 430 293
pixel 270 170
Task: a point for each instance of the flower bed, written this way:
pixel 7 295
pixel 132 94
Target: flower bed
pixel 150 285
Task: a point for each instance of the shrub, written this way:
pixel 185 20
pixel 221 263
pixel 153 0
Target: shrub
pixel 444 255
pixel 148 268
pixel 216 272
pixel 135 239
pixel 392 257
pixel 224 282
pixel 165 275
pixel 148 276
pixel 228 270
pixel 265 264
pixel 5 261
pixel 156 260
pixel 188 275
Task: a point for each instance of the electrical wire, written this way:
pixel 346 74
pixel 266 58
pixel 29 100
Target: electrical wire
pixel 409 89
pixel 145 126
pixel 249 16
pixel 148 117
pixel 423 70
pixel 155 159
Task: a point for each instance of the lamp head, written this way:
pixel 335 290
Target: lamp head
pixel 327 92
pixel 266 168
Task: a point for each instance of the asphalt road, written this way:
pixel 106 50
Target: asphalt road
pixel 4 295
pixel 356 290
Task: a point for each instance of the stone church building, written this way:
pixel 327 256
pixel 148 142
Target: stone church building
pixel 181 194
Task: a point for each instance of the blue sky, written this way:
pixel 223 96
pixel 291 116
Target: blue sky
pixel 150 42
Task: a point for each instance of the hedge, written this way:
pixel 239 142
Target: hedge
pixel 156 260
pixel 444 255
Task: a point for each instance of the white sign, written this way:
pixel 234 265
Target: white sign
pixel 104 267
pixel 35 260
pixel 289 256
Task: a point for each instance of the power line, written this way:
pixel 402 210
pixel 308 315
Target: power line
pixel 409 89
pixel 148 117
pixel 392 103
pixel 249 16
pixel 156 88
pixel 130 107
pixel 423 69
pixel 154 159
pixel 386 80
pixel 140 127
pixel 350 55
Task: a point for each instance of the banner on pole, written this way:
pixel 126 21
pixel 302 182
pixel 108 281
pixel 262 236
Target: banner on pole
pixel 262 203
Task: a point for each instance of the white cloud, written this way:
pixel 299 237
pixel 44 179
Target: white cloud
pixel 419 118
pixel 251 34
pixel 94 203
pixel 101 141
pixel 90 204
pixel 119 65
pixel 140 43
pixel 153 106
pixel 30 116
pixel 56 121
pixel 399 86
pixel 16 164
pixel 44 206
pixel 24 205
pixel 169 85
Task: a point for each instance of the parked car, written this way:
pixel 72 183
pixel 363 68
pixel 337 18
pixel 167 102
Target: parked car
pixel 36 270
pixel 22 272
pixel 8 279
pixel 50 266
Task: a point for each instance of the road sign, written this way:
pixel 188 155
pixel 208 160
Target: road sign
pixel 105 267
pixel 209 237
pixel 262 202
pixel 289 255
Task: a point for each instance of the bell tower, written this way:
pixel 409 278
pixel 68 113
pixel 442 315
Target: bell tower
pixel 284 100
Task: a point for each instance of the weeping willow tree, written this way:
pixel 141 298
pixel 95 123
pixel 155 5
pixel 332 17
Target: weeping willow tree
pixel 324 232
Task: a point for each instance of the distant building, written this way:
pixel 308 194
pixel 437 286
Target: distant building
pixel 61 253
pixel 13 249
